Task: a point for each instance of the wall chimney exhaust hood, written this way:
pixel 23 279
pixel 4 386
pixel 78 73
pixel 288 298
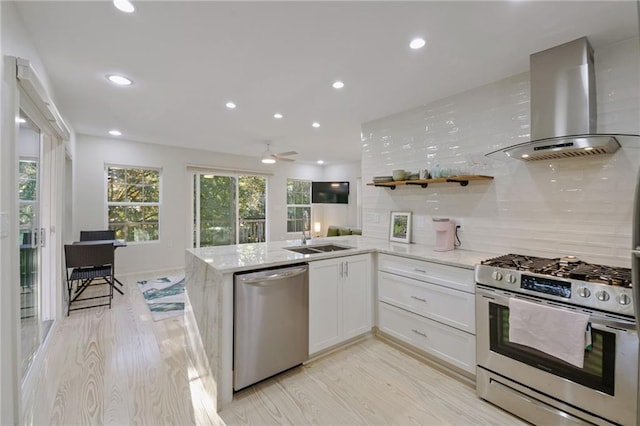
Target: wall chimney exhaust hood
pixel 563 107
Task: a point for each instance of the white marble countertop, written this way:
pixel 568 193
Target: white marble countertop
pixel 243 257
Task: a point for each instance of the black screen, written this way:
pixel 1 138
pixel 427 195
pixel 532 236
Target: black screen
pixel 330 192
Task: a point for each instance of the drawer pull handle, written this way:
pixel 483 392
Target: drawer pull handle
pixel 420 270
pixel 419 298
pixel 423 334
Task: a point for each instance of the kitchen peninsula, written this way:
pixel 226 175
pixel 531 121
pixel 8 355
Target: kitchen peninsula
pixel 209 284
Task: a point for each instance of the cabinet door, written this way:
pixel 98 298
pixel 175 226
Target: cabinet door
pixel 356 296
pixel 325 304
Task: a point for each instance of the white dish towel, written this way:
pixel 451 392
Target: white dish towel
pixel 558 332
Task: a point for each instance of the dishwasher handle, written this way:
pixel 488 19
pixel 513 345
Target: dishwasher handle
pixel 274 275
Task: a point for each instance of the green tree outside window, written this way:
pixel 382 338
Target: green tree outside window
pixel 133 203
pixel 298 201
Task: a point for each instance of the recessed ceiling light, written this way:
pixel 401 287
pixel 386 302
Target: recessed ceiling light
pixel 230 105
pixel 320 162
pixel 115 132
pixel 20 120
pixel 119 80
pixel 315 124
pixel 124 6
pixel 277 115
pixel 417 43
pixel 338 84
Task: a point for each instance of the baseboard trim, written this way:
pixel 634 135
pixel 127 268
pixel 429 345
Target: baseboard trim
pixel 330 350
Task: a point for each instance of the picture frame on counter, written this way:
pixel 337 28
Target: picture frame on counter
pixel 400 227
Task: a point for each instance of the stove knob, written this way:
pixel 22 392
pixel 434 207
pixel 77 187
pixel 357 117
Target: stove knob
pixel 602 296
pixel 584 292
pixel 623 299
pixel 511 278
pixel 496 275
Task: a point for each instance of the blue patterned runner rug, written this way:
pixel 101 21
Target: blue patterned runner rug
pixel 164 296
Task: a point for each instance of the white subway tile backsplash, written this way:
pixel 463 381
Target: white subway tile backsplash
pixel 579 206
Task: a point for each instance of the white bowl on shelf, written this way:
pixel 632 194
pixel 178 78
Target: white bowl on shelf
pixel 399 174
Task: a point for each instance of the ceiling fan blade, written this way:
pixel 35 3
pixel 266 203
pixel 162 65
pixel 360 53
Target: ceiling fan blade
pixel 287 153
pixel 284 158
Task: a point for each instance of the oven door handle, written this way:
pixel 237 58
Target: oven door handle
pixel 612 325
pixel 599 321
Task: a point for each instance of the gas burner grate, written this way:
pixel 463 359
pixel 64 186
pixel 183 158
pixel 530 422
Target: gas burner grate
pixel 520 262
pixel 568 267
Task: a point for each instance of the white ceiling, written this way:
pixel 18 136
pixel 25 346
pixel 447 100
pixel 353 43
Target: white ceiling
pixel 188 59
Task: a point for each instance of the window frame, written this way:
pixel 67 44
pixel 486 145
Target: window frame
pixel 196 170
pixel 287 221
pixel 157 204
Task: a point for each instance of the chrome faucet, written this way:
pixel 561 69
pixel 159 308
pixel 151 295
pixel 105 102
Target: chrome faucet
pixel 305 226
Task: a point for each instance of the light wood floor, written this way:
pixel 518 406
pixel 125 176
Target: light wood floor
pixel 119 367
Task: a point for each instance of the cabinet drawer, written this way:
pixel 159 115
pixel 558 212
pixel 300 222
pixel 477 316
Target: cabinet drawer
pixel 446 343
pixel 445 275
pixel 442 304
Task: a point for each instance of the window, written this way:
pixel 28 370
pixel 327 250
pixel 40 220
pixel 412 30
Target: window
pixel 298 201
pixel 228 208
pixel 133 203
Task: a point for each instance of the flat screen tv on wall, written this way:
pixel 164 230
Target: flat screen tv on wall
pixel 330 192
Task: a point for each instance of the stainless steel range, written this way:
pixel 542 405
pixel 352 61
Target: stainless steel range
pixel 540 387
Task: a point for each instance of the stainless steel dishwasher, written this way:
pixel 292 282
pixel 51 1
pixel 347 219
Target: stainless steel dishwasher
pixel 271 323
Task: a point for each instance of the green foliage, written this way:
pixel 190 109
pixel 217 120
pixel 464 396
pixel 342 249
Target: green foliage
pixel 218 209
pixel 298 191
pixel 298 201
pixel 27 180
pixel 133 195
pixel 27 192
pixel 252 197
pixel 133 185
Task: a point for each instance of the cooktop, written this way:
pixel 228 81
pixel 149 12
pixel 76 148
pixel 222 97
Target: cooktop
pixel 564 267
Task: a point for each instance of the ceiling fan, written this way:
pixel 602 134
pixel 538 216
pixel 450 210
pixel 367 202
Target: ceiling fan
pixel 269 157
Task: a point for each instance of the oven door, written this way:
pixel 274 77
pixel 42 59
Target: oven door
pixel 607 384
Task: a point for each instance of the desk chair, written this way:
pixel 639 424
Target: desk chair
pixel 88 265
pixel 101 235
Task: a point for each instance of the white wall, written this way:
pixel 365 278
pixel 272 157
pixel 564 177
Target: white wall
pixel 341 214
pixel 92 153
pixel 577 207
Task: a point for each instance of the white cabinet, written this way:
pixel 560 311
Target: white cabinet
pixel 447 276
pixel 339 300
pixel 442 304
pixel 429 306
pixel 441 341
pixel 325 304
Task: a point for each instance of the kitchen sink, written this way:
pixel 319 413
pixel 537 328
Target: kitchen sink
pixel 317 249
pixel 331 247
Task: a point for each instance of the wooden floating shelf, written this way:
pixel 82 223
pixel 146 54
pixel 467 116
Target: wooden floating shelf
pixel 423 183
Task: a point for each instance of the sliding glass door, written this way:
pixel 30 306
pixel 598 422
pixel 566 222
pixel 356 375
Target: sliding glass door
pixel 33 326
pixel 215 218
pixel 252 209
pixel 228 209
